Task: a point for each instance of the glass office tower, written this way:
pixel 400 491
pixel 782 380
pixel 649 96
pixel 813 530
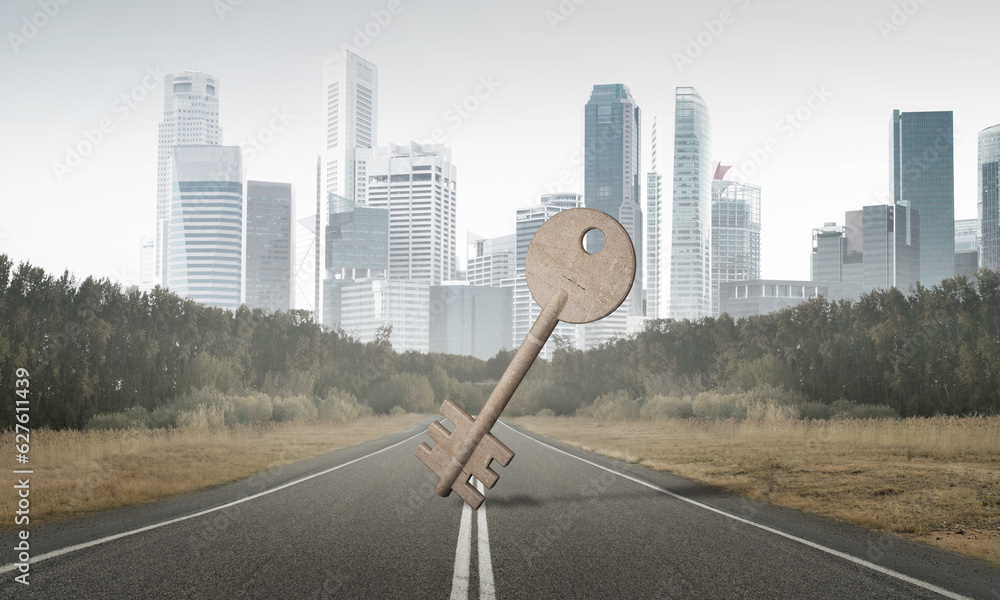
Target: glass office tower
pixel 923 178
pixel 270 240
pixel 989 197
pixel 612 171
pixel 691 239
pixel 205 240
pixel 735 233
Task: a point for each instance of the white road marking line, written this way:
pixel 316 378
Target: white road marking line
pixel 858 561
pixel 487 591
pixel 463 556
pixel 37 559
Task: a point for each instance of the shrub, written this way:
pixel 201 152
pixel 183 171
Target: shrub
pixel 340 406
pixel 202 417
pixel 296 408
pixel 411 392
pixel 815 411
pixel 712 405
pixel 255 409
pixel 133 418
pixel 546 412
pixel 667 407
pixel 847 409
pixel 162 417
pixel 397 410
pixel 616 406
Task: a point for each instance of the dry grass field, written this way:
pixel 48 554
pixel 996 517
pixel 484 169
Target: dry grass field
pixel 83 471
pixel 936 480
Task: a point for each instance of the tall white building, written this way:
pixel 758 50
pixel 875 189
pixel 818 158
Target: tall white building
pixel 691 225
pixel 190 117
pixel 205 239
pixel 526 310
pixel 350 98
pixel 655 306
pixel 417 183
pixel 350 101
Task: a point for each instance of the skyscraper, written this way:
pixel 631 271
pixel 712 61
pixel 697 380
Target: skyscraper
pixel 655 304
pixel 691 229
pixel 270 246
pixel 612 172
pixel 190 117
pixel 417 183
pixel 891 247
pixel 923 178
pixel 350 98
pixel 989 197
pixel 357 240
pixel 205 240
pixel 357 249
pixel 735 232
pixel 879 248
pixel 827 257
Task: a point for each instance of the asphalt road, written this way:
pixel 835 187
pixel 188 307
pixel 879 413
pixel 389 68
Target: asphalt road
pixel 363 522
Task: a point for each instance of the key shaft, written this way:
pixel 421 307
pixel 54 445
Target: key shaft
pixel 511 378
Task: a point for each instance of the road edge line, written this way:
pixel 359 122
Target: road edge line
pixel 68 549
pixel 848 557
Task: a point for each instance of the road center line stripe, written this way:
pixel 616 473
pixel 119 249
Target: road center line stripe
pixel 463 556
pixel 37 559
pixel 487 591
pixel 858 561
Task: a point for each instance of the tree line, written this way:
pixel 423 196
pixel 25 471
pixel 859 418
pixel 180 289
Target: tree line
pixel 92 348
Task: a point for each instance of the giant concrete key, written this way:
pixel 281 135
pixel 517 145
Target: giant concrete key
pixel 570 285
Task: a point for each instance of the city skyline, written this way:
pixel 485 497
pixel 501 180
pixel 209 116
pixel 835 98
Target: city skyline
pixel 826 116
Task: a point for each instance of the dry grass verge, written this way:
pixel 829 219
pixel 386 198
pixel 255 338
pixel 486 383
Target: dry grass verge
pixel 83 471
pixel 935 480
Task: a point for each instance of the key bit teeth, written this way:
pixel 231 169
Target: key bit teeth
pixel 468 492
pixel 456 414
pixel 489 449
pixel 438 432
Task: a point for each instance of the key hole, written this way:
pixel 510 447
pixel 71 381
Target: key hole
pixel 593 240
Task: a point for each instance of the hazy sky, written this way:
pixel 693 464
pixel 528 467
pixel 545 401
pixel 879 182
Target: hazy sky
pixel 91 65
